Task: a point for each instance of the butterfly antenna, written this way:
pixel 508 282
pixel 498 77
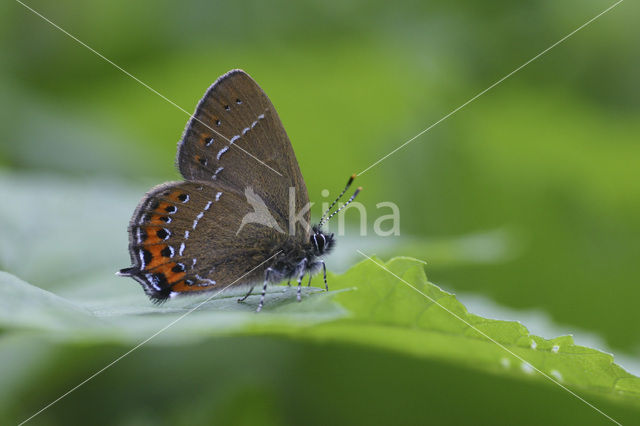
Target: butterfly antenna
pixel 355 194
pixel 322 219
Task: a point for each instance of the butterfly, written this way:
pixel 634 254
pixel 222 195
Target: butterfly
pixel 241 216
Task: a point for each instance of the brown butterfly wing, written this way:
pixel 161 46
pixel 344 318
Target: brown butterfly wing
pixel 236 137
pixel 184 239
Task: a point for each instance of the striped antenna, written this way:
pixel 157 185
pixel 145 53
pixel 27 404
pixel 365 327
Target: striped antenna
pixel 343 206
pixel 322 219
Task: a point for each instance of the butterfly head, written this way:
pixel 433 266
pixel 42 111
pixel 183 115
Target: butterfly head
pixel 321 243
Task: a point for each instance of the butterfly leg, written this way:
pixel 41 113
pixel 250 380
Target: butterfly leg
pixel 264 289
pixel 324 274
pixel 242 299
pixel 324 270
pixel 303 270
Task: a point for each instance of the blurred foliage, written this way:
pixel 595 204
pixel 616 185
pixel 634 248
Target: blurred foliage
pixel 545 164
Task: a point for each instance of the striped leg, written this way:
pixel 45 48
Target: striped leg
pixel 324 273
pixel 324 270
pixel 264 289
pixel 242 299
pixel 303 269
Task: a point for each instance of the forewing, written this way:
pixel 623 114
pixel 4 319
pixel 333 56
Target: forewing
pixel 184 238
pixel 236 137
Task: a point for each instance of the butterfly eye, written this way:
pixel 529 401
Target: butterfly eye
pixel 318 241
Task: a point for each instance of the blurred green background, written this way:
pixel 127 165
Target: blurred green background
pixel 527 200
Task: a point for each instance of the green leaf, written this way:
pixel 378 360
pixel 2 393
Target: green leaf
pixel 386 312
pixel 370 305
pixel 23 306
